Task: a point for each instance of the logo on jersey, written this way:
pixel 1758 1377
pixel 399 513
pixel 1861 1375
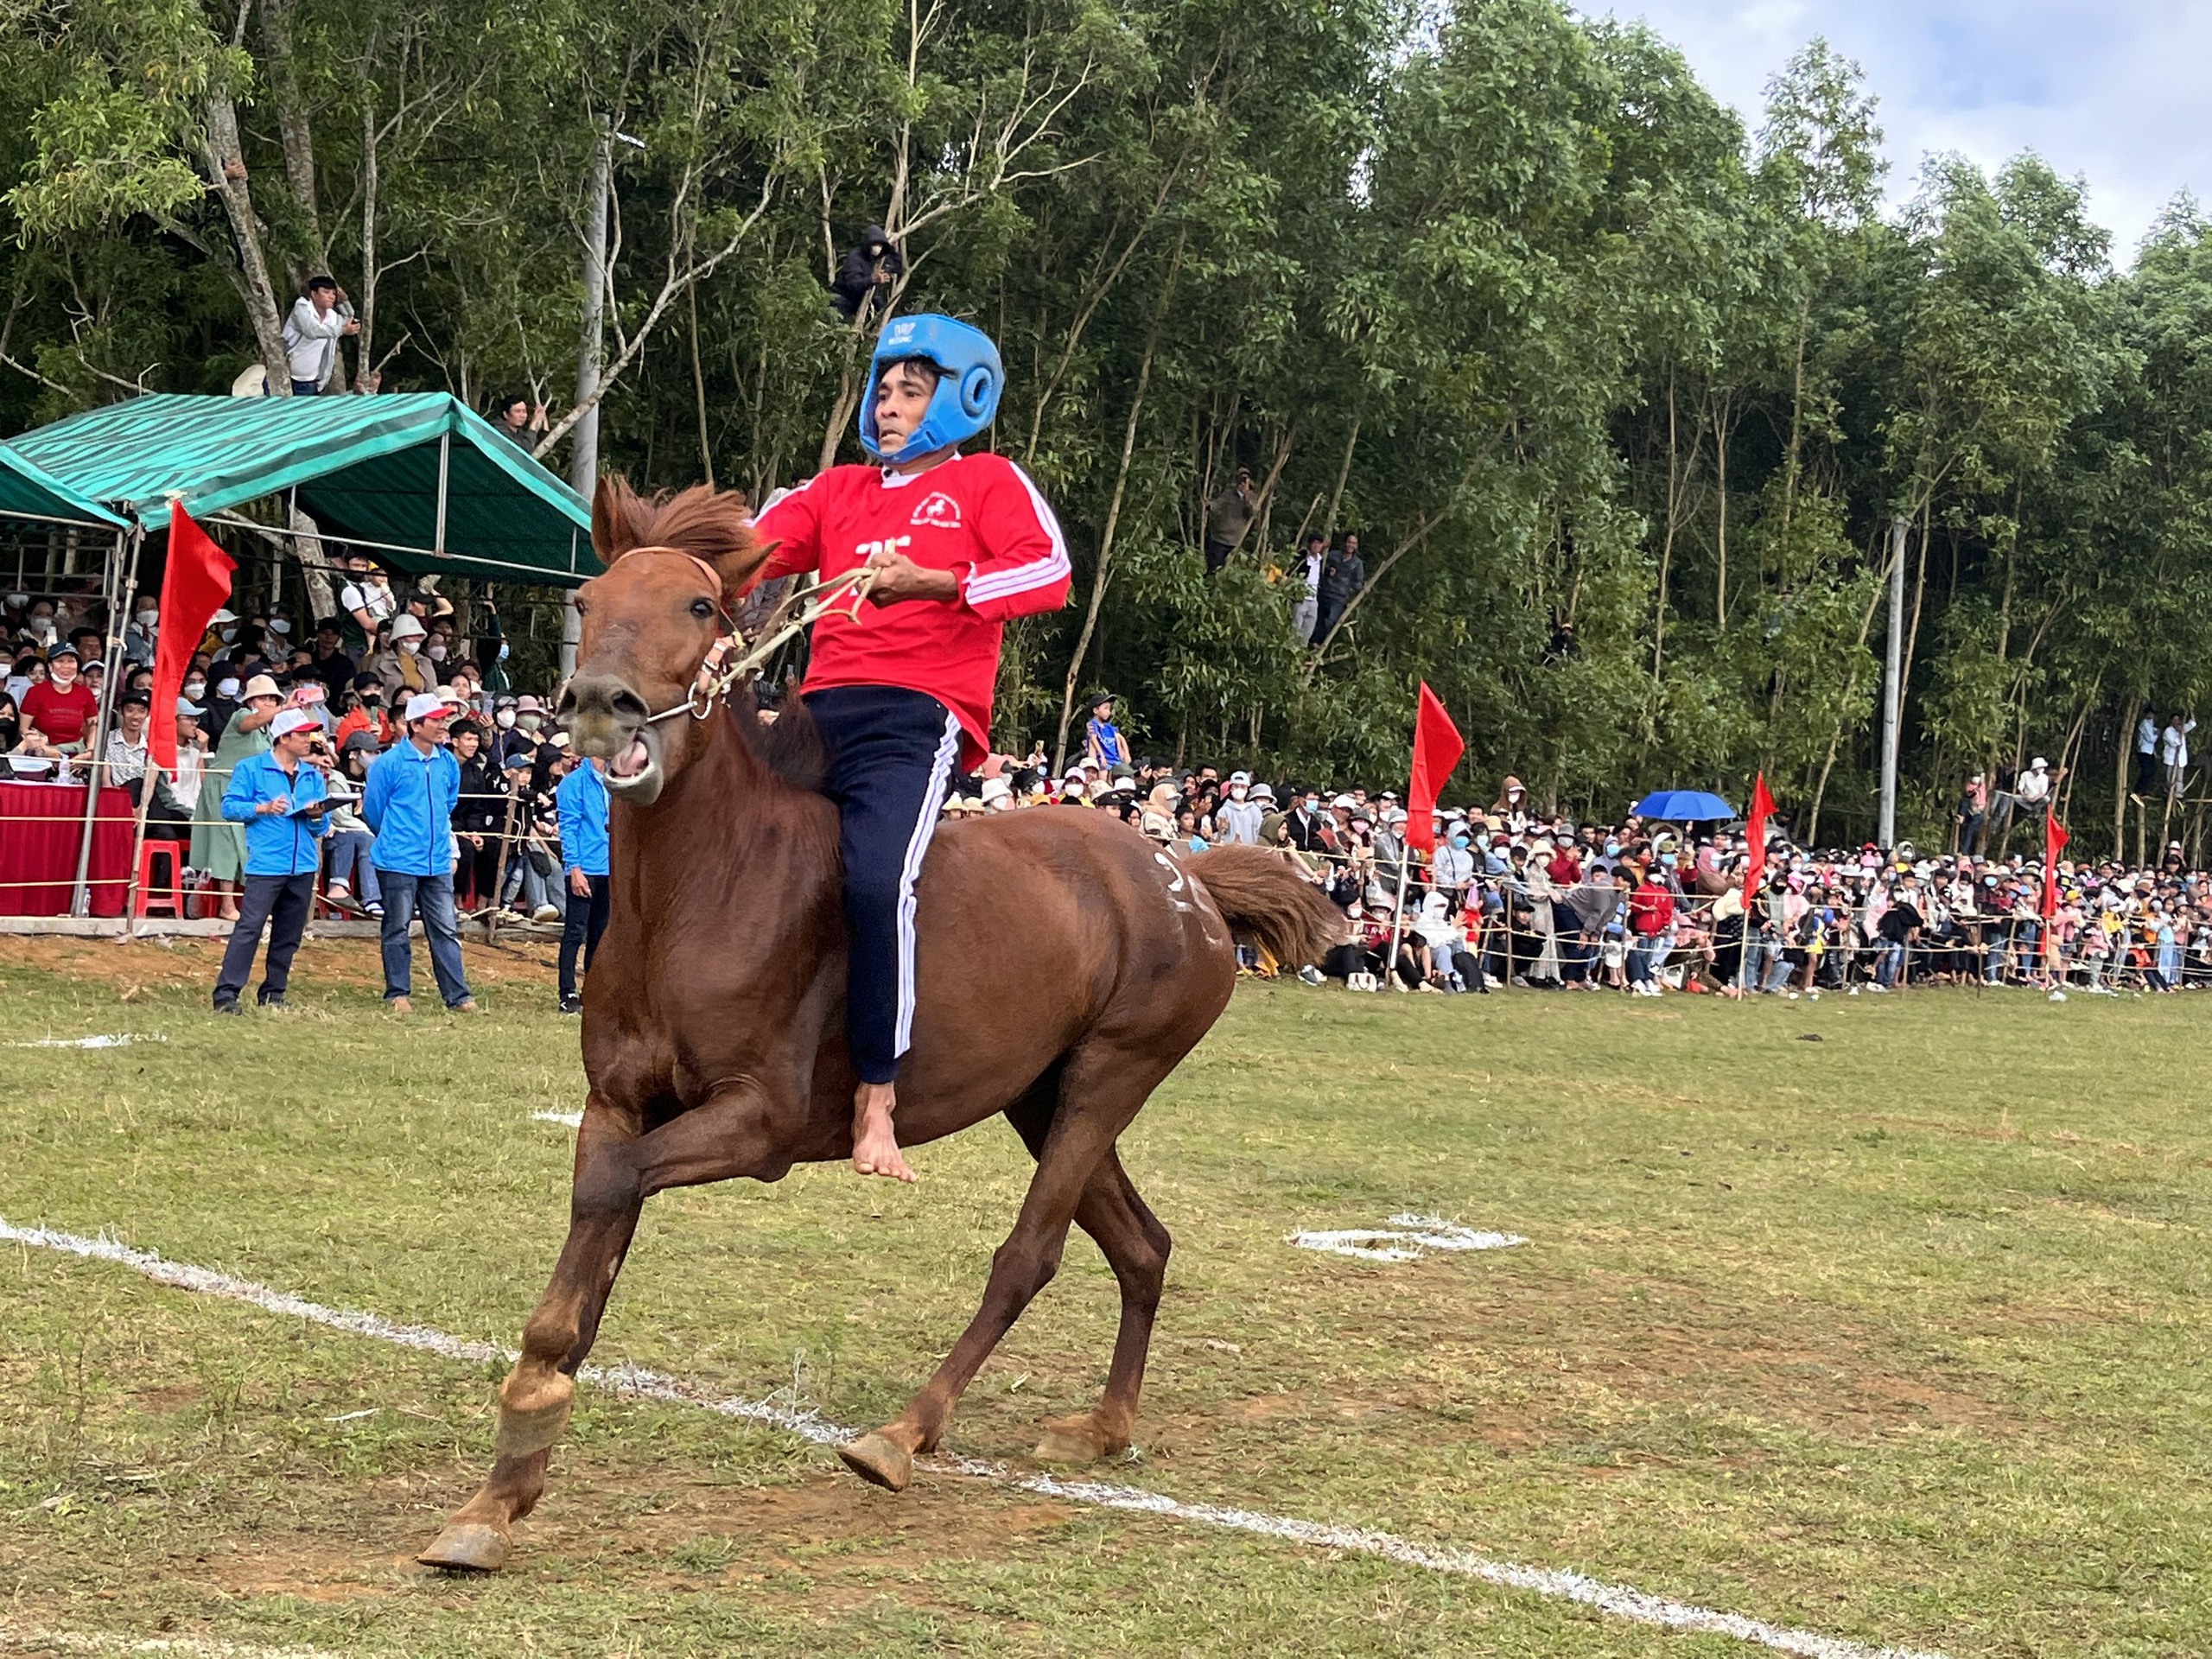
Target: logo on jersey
pixel 940 511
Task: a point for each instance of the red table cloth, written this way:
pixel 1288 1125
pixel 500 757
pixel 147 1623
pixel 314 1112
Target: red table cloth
pixel 42 826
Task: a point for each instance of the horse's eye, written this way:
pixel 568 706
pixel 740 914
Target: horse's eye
pixel 702 609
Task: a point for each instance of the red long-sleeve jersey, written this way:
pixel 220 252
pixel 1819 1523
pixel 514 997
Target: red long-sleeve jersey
pixel 978 515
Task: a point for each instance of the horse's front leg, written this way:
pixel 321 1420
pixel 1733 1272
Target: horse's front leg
pixel 617 1169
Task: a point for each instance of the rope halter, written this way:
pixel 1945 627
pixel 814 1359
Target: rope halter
pixel 719 671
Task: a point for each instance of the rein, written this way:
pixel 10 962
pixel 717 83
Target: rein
pixel 800 610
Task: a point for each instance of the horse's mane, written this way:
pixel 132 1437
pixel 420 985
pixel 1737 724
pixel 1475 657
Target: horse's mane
pixel 789 746
pixel 715 524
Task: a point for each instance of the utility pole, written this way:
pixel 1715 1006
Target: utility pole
pixel 1892 690
pixel 583 462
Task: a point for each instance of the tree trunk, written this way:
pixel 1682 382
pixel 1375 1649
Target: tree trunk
pixel 1104 573
pixel 2121 779
pixel 292 127
pixel 226 173
pixel 1720 425
pixel 699 393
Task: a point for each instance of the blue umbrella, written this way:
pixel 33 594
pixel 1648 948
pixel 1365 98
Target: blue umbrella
pixel 1682 806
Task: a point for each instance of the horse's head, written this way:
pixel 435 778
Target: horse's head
pixel 674 570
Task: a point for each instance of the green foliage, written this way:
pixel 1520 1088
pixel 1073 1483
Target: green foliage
pixel 1505 291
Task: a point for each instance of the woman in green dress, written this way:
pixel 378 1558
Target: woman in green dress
pixel 217 848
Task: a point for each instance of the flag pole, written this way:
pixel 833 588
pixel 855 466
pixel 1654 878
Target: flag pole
pixel 1398 916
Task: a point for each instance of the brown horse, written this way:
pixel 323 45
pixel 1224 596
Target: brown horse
pixel 1064 968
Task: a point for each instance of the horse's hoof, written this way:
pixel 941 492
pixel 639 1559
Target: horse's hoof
pixel 880 1461
pixel 1072 1439
pixel 468 1547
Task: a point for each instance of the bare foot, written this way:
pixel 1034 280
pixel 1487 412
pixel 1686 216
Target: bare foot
pixel 875 1145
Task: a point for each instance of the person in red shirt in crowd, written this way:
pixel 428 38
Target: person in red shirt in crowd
pixel 62 706
pixel 902 692
pixel 1651 913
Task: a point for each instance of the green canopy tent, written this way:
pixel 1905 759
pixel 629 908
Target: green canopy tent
pixel 30 492
pixel 421 479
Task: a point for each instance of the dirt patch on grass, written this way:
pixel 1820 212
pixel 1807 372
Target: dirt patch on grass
pixel 135 967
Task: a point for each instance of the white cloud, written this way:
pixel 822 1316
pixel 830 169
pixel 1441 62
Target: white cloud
pixel 2113 92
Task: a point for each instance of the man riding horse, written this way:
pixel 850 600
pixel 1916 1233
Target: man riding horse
pixel 901 692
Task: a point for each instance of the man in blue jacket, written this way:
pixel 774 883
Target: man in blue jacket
pixel 409 800
pixel 280 797
pixel 581 800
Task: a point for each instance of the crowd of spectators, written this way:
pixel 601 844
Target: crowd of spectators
pixel 1510 896
pixel 499 816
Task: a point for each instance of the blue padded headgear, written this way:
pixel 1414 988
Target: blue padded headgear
pixel 970 378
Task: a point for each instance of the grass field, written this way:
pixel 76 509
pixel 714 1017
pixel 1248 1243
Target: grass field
pixel 1896 1335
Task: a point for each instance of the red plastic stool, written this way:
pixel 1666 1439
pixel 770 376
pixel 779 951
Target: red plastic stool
pixel 170 895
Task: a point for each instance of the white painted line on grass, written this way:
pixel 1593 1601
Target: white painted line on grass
pixel 15 1639
pixel 567 1119
pixel 105 1039
pixel 1620 1601
pixel 1406 1238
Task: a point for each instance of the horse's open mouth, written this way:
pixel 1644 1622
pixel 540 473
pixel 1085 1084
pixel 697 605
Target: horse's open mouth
pixel 635 769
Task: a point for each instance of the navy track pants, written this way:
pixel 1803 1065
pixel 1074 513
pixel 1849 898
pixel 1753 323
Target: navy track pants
pixel 892 753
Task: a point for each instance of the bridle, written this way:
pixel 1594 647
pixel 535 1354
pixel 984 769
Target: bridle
pixel 800 610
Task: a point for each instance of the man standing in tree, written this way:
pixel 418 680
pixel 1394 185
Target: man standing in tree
pixel 1229 517
pixel 1342 577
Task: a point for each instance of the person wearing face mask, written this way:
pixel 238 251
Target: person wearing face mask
pixel 366 713
pixel 518 743
pixel 63 707
pixel 400 666
pixel 1239 817
pixel 138 638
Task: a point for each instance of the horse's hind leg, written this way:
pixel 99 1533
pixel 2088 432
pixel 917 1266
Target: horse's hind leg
pixel 1135 1246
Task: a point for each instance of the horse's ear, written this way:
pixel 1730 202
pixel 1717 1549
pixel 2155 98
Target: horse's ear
pixel 617 512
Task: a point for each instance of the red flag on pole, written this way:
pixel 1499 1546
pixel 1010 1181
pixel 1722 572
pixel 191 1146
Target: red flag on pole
pixel 2054 842
pixel 193 587
pixel 1437 749
pixel 1755 838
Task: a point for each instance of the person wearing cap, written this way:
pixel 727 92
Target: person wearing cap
pixel 63 706
pixel 279 797
pixel 191 762
pixel 408 802
pixel 219 845
pixel 1238 818
pixel 126 760
pixel 581 802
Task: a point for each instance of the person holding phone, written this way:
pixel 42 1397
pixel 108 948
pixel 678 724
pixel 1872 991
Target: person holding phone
pixel 281 799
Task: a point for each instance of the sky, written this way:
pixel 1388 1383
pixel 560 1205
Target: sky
pixel 2116 93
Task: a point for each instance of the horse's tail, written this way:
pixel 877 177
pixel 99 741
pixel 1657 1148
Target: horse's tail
pixel 1259 892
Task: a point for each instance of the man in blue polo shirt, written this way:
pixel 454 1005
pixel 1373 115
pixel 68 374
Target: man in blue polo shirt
pixel 581 800
pixel 409 800
pixel 280 797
